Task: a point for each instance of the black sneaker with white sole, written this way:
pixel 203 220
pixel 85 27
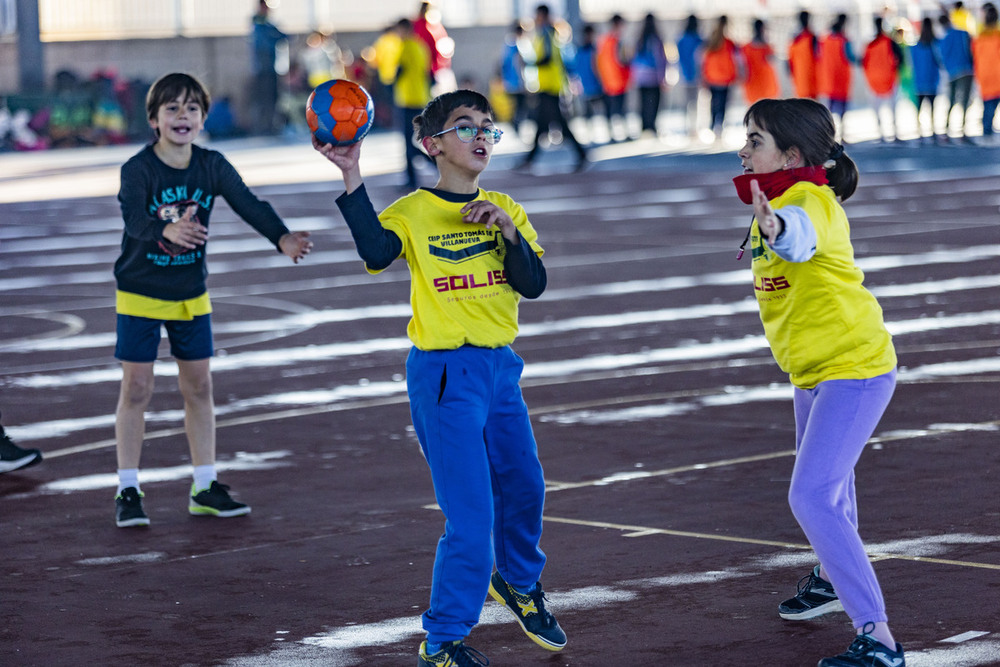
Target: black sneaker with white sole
pixel 866 651
pixel 530 612
pixel 815 597
pixel 13 457
pixel 215 501
pixel 128 508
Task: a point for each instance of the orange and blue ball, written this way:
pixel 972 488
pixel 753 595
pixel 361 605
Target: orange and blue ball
pixel 340 112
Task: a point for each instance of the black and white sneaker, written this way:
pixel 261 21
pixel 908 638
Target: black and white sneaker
pixel 866 651
pixel 815 597
pixel 215 501
pixel 128 508
pixel 13 457
pixel 530 612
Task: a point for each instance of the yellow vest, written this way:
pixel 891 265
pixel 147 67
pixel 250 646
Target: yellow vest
pixel 821 323
pixel 551 75
pixel 458 285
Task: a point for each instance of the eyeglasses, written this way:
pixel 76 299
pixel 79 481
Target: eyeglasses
pixel 466 133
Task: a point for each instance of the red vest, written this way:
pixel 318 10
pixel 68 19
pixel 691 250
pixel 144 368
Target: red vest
pixel 718 67
pixel 834 69
pixel 880 65
pixel 802 62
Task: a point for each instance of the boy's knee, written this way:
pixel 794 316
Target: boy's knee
pixel 196 389
pixel 136 391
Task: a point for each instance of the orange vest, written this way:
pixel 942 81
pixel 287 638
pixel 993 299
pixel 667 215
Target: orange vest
pixel 761 80
pixel 802 62
pixel 611 71
pixel 986 63
pixel 880 65
pixel 718 67
pixel 833 72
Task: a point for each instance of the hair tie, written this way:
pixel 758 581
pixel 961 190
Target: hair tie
pixel 836 152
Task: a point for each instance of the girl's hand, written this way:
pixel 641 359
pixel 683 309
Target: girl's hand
pixel 770 225
pixel 295 245
pixel 489 214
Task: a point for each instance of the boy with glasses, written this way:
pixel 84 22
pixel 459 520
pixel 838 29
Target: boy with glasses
pixel 472 255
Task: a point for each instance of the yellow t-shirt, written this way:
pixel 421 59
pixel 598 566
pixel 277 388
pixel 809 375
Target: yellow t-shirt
pixel 458 285
pixel 388 48
pixel 821 323
pixel 413 86
pixel 127 303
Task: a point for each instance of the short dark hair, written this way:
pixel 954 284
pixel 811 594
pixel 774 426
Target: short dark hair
pixel 807 125
pixel 171 86
pixel 432 119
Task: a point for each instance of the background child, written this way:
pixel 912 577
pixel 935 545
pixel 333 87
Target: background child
pixel 472 255
pixel 826 331
pixel 167 193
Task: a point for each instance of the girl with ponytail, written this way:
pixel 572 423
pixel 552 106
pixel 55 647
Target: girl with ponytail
pixel 826 331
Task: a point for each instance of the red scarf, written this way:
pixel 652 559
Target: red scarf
pixel 775 183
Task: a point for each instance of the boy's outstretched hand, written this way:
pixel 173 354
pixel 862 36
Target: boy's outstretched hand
pixel 295 245
pixel 344 157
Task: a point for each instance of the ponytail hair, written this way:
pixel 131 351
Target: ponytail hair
pixel 808 126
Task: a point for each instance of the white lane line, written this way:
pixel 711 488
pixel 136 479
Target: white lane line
pixel 974 654
pixel 127 559
pixel 240 462
pixel 965 636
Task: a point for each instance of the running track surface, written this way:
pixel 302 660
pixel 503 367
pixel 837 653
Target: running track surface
pixel 664 427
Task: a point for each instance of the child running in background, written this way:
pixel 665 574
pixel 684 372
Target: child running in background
pixel 167 193
pixel 472 255
pixel 826 331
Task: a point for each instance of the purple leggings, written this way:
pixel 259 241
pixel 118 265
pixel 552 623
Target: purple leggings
pixel 833 422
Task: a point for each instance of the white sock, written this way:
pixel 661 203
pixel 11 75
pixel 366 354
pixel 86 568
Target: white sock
pixel 128 477
pixel 203 477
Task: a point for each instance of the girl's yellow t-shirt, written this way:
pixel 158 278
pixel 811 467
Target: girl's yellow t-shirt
pixel 821 322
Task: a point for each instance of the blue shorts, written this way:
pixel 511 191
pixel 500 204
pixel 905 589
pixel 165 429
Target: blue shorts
pixel 139 338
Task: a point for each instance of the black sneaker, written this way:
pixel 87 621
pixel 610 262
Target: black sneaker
pixel 866 651
pixel 455 654
pixel 529 610
pixel 215 501
pixel 815 598
pixel 13 457
pixel 128 508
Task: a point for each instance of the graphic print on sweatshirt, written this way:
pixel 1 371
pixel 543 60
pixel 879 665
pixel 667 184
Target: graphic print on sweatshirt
pixel 185 210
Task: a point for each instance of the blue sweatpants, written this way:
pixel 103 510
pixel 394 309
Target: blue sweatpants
pixel 473 428
pixel 833 422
